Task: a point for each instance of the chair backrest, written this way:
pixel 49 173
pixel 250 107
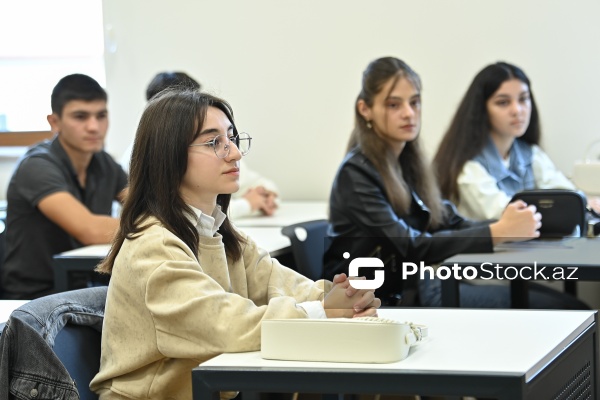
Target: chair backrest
pixel 309 243
pixel 54 341
pixel 78 348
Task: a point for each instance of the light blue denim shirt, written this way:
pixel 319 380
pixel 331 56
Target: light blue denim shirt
pixel 519 174
pixel 29 368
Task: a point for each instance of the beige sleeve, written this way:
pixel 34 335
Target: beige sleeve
pixel 269 280
pixel 195 317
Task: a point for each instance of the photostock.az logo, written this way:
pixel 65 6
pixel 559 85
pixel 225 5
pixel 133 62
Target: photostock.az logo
pixel 365 262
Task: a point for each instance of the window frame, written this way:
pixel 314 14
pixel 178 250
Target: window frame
pixel 23 138
pixel 83 53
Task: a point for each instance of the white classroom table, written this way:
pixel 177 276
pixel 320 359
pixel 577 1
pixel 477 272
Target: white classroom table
pixel 8 306
pixel 87 258
pixel 504 354
pixel 269 239
pixel 288 213
pixel 265 230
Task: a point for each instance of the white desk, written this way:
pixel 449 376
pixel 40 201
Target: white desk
pixel 504 354
pixel 269 239
pixel 96 251
pixel 8 306
pixel 87 258
pixel 288 213
pixel 266 231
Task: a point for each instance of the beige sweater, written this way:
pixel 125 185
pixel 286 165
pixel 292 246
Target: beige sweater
pixel 166 312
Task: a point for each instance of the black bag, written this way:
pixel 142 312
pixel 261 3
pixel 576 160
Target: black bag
pixel 563 211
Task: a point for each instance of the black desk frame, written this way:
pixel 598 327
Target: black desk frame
pixel 519 297
pixel 64 266
pixel 519 287
pixel 577 366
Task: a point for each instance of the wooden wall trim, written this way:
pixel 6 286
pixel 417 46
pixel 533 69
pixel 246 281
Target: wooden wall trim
pixel 23 138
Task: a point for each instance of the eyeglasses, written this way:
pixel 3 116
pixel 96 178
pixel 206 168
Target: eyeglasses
pixel 221 144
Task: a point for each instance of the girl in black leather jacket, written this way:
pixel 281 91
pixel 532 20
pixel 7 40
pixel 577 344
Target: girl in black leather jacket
pixel 385 203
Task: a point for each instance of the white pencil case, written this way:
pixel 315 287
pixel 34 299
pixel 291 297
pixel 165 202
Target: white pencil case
pixel 353 340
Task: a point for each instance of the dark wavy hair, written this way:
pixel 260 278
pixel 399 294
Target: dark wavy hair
pixel 470 128
pixel 408 172
pixel 169 124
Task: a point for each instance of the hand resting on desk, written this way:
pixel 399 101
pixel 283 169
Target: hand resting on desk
pixel 519 222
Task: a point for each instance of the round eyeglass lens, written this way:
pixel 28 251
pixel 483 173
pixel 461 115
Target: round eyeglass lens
pixel 221 146
pixel 243 142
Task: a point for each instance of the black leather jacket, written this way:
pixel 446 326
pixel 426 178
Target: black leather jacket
pixel 364 224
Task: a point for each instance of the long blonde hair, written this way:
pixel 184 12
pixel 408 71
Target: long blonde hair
pixel 410 170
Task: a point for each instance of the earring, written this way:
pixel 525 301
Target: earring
pixel 369 125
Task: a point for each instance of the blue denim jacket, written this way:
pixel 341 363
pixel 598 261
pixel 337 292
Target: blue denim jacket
pixel 29 369
pixel 519 174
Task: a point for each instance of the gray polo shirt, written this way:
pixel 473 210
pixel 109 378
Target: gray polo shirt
pixel 31 238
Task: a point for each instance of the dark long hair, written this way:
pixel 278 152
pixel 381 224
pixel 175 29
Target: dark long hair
pixel 410 170
pixel 169 124
pixel 470 127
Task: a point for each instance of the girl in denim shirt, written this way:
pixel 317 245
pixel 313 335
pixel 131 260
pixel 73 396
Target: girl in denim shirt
pixel 491 149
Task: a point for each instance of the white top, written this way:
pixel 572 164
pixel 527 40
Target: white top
pixel 480 197
pixel 240 207
pixel 207 225
pixel 494 341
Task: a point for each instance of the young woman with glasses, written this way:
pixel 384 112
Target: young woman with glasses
pixel 186 285
pixel 385 203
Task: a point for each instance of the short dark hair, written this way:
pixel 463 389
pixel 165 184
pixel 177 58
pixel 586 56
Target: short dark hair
pixel 75 87
pixel 164 80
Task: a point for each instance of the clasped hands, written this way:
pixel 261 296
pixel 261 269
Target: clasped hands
pixel 344 301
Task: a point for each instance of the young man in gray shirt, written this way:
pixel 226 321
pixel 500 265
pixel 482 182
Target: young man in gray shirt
pixel 61 192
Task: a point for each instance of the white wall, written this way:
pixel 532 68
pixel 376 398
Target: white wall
pixel 292 69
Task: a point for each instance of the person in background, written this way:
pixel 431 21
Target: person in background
pixel 257 194
pixel 60 195
pixel 385 203
pixel 164 80
pixel 491 150
pixel 185 285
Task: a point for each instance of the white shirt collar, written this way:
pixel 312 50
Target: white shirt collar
pixel 207 225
